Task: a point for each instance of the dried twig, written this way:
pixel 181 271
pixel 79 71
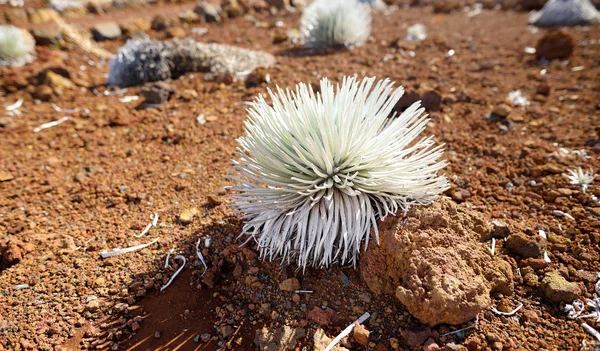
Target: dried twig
pixel 506 313
pixel 70 110
pixel 110 93
pixel 200 257
pixel 574 309
pixel 15 106
pixel 51 124
pixel 493 247
pixel 169 256
pixel 463 329
pixel 118 251
pixel 591 330
pixel 563 214
pixel 180 257
pixel 347 331
pixel 129 98
pixel 154 218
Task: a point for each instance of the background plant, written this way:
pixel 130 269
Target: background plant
pixel 17 46
pixel 336 23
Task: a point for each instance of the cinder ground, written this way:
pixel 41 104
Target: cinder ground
pixel 90 185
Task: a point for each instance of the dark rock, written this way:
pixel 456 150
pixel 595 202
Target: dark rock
pixel 526 245
pixel 445 6
pixel 407 99
pixel 162 22
pixel 157 92
pixel 500 229
pixel 556 44
pixel 529 5
pixel 43 92
pixel 431 101
pixel 416 336
pixel 543 89
pixel 46 37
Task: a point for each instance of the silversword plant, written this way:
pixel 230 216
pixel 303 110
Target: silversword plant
pixel 17 46
pixel 148 60
pixel 316 171
pixel 335 23
pixel 580 178
pixel 565 13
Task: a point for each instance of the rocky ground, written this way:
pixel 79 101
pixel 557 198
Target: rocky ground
pixel 89 185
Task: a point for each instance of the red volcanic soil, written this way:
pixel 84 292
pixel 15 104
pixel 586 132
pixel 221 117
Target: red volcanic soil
pixel 90 184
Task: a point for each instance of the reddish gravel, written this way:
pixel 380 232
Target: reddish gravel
pixel 90 184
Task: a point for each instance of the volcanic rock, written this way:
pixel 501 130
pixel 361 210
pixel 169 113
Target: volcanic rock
pixel 435 264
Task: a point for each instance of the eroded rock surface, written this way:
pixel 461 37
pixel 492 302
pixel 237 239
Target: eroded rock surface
pixel 434 263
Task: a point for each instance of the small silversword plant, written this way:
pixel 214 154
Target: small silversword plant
pixel 316 171
pixel 335 23
pixel 580 178
pixel 17 46
pixel 565 13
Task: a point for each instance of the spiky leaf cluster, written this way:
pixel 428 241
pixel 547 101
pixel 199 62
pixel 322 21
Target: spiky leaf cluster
pixel 331 23
pixel 566 13
pixel 139 61
pixel 17 46
pixel 147 60
pixel 316 171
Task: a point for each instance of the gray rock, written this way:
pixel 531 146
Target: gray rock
pixel 565 13
pixel 209 12
pixel 106 31
pixel 157 93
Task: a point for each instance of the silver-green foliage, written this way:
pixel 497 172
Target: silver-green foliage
pixel 331 23
pixel 316 171
pixel 17 47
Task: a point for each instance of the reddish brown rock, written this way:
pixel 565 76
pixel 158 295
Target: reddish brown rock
pixel 416 336
pixel 435 264
pixel 431 101
pixel 526 245
pixel 556 44
pixel 445 6
pixel 558 289
pixel 321 316
pixel 529 5
pixel 361 334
